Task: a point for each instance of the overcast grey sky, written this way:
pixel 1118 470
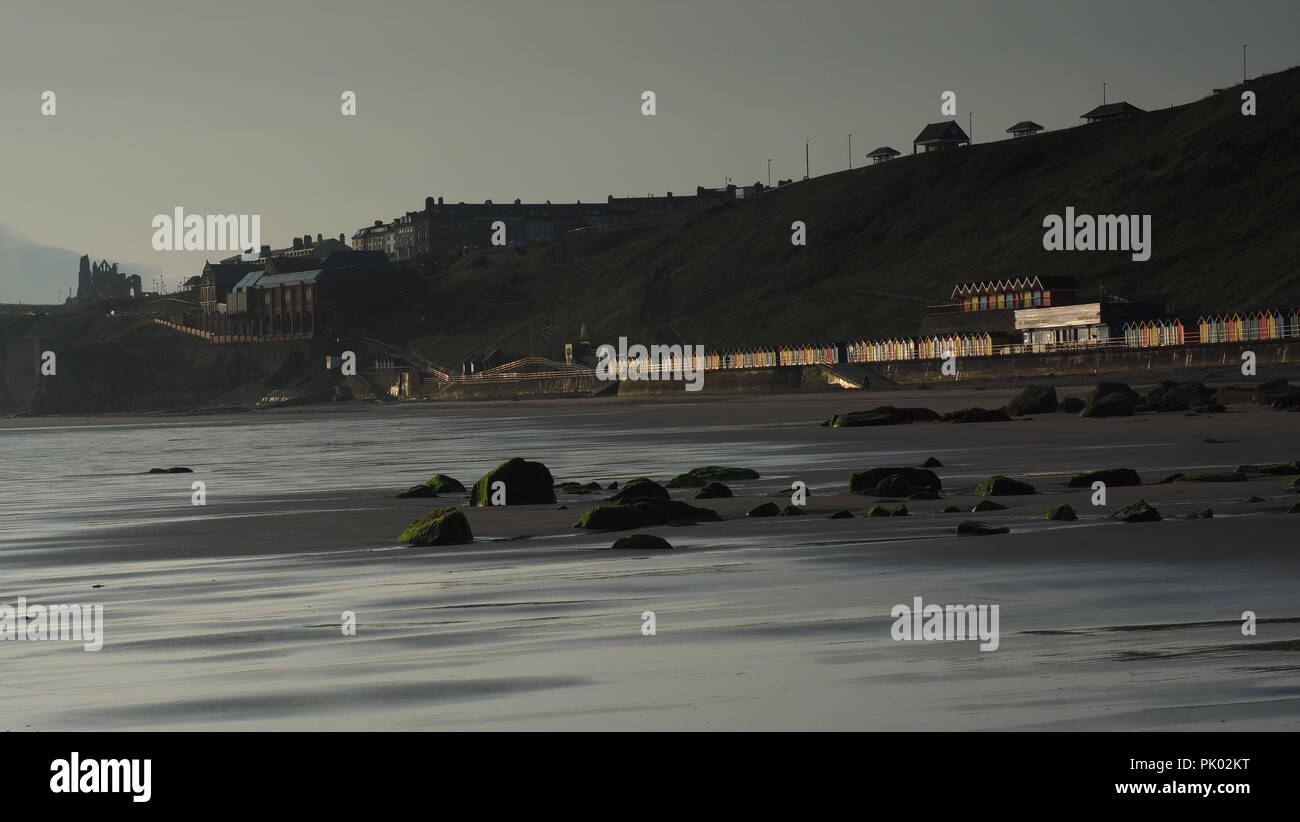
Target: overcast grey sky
pixel 234 107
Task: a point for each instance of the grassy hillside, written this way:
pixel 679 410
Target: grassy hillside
pixel 1223 190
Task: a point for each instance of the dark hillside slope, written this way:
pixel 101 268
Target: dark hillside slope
pixel 1223 190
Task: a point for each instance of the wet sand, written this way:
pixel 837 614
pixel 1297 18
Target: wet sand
pixel 226 616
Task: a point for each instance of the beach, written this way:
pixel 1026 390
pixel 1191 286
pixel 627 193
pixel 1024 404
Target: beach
pixel 227 616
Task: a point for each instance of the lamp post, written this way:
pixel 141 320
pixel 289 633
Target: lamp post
pixel 807 163
pixel 769 172
pixel 850 150
pixel 1103 93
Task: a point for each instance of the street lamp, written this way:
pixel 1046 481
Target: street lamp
pixel 769 172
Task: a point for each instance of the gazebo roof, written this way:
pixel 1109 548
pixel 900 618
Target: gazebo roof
pixel 883 151
pixel 1024 126
pixel 945 132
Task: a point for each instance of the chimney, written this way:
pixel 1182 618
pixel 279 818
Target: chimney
pixel 428 203
pixel 266 251
pixel 318 239
pixel 439 201
pixel 379 223
pixel 341 238
pixel 306 241
pixel 297 242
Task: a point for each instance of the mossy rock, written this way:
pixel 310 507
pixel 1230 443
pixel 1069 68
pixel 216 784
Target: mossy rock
pixel 1171 478
pixel 1277 468
pixel 571 488
pixel 1035 399
pixel 610 518
pixel 1138 511
pixel 686 481
pixel 931 462
pixel 1071 405
pixel 894 485
pixel 767 509
pixel 899 510
pixel 613 486
pixel 923 494
pixel 971 528
pixel 792 511
pixel 1062 512
pixel 1293 485
pixel 1295 508
pixel 878 511
pixel 654 511
pixel 445 526
pixel 722 473
pixel 526 483
pixel 1204 513
pixel 843 513
pixel 1113 477
pixel 641 542
pixel 437 484
pixel 1214 476
pixel 175 469
pixel 951 509
pixel 882 415
pixel 987 505
pixel 641 489
pixel 865 482
pixel 997 485
pixel 978 415
pixel 714 490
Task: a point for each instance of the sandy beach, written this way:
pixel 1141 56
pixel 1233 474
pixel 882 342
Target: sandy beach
pixel 227 615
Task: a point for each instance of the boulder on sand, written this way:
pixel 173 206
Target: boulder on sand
pixel 641 542
pixel 792 511
pixel 1179 396
pixel 641 489
pixel 655 511
pixel 1071 405
pixel 931 462
pixel 445 526
pixel 894 485
pixel 1138 511
pixel 438 484
pixel 978 415
pixel 843 513
pixel 1113 477
pixel 714 490
pixel 1035 399
pixel 1062 512
pixel 971 528
pixel 997 485
pixel 719 473
pixel 1214 476
pixel 1113 404
pixel 767 509
pixel 865 482
pixel 987 505
pixel 175 469
pixel 526 483
pixel 882 415
pixel 1278 468
pixel 610 518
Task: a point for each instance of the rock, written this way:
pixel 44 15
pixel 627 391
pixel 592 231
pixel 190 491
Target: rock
pixel 641 542
pixel 445 526
pixel 613 486
pixel 610 518
pixel 641 489
pixel 437 484
pixel 899 510
pixel 1113 477
pixel 882 415
pixel 924 493
pixel 1062 512
pixel 561 508
pixel 1253 499
pixel 997 485
pixel 767 509
pixel 878 511
pixel 864 482
pixel 1104 388
pixel 1204 513
pixel 1035 399
pixel 686 481
pixel 1175 396
pixel 656 511
pixel 931 462
pixel 843 513
pixel 1295 508
pixel 1071 405
pixel 1137 512
pixel 1169 479
pixel 987 505
pixel 1114 404
pixel 1294 485
pixel 971 528
pixel 952 509
pixel 571 488
pixel 175 469
pixel 1279 468
pixel 792 511
pixel 894 485
pixel 978 415
pixel 714 490
pixel 526 483
pixel 719 473
pixel 1214 476
pixel 1237 396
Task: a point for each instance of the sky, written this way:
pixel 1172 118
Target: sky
pixel 234 107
